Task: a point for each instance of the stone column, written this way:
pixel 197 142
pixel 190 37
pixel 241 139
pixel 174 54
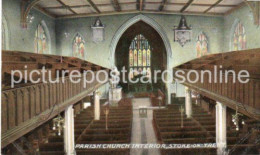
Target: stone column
pixel 221 128
pixel 96 106
pixel 69 143
pixel 197 99
pixel 188 102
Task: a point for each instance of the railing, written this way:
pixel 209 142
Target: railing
pixel 246 96
pixel 25 108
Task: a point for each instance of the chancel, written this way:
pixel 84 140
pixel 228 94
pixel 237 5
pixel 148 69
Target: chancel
pixel 130 77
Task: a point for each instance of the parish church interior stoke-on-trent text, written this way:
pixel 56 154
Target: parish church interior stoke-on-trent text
pixel 130 77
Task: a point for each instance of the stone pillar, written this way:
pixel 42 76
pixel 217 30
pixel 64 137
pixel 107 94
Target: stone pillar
pixel 69 143
pixel 197 99
pixel 96 106
pixel 221 128
pixel 169 92
pixel 188 102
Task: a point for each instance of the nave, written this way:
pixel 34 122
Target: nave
pixel 160 125
pixel 138 118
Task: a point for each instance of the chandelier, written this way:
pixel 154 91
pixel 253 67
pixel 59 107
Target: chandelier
pixel 30 18
pixel 58 124
pixel 183 32
pixel 235 119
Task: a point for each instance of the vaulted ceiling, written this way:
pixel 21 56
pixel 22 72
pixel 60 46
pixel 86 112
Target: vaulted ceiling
pixel 78 8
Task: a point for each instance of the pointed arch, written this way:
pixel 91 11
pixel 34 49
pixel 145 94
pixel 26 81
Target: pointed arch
pixel 78 46
pixel 5 33
pixel 202 44
pixel 159 30
pixel 132 21
pixel 42 40
pixel 237 36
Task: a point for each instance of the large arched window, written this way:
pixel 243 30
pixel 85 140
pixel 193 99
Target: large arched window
pixel 140 57
pixel 239 37
pixel 40 41
pixel 78 47
pixel 202 46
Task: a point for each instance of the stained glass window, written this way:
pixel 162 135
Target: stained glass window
pixel 78 48
pixel 239 38
pixel 131 57
pixel 135 57
pixel 202 46
pixel 140 57
pixel 40 41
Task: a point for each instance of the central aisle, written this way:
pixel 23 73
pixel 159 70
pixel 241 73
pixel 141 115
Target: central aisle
pixel 142 128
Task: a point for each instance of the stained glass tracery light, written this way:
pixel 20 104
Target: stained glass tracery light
pixel 239 38
pixel 40 41
pixel 202 45
pixel 140 57
pixel 78 49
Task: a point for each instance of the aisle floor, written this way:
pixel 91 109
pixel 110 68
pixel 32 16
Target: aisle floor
pixel 142 128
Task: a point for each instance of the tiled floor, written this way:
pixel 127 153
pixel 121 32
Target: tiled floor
pixel 142 128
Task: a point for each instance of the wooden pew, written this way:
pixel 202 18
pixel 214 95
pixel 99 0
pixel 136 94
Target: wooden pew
pixel 118 132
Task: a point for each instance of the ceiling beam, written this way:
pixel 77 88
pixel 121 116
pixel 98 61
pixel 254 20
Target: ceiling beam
pixel 107 13
pixel 161 7
pixel 181 4
pixel 219 1
pixel 93 5
pixel 137 4
pixel 133 3
pixel 116 5
pixel 44 11
pixel 235 8
pixel 82 6
pixel 187 5
pixel 66 6
pixel 140 5
pixel 73 7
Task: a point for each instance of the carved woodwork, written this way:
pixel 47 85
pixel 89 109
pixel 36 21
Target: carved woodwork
pixel 26 107
pixel 245 96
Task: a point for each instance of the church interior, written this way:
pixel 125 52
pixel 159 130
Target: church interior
pixel 208 113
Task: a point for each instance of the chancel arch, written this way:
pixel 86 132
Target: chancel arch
pixel 132 21
pixel 141 50
pixel 156 27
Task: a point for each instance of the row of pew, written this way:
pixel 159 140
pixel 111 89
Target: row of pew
pixel 116 130
pixel 90 131
pixel 167 124
pixel 196 130
pixel 55 143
